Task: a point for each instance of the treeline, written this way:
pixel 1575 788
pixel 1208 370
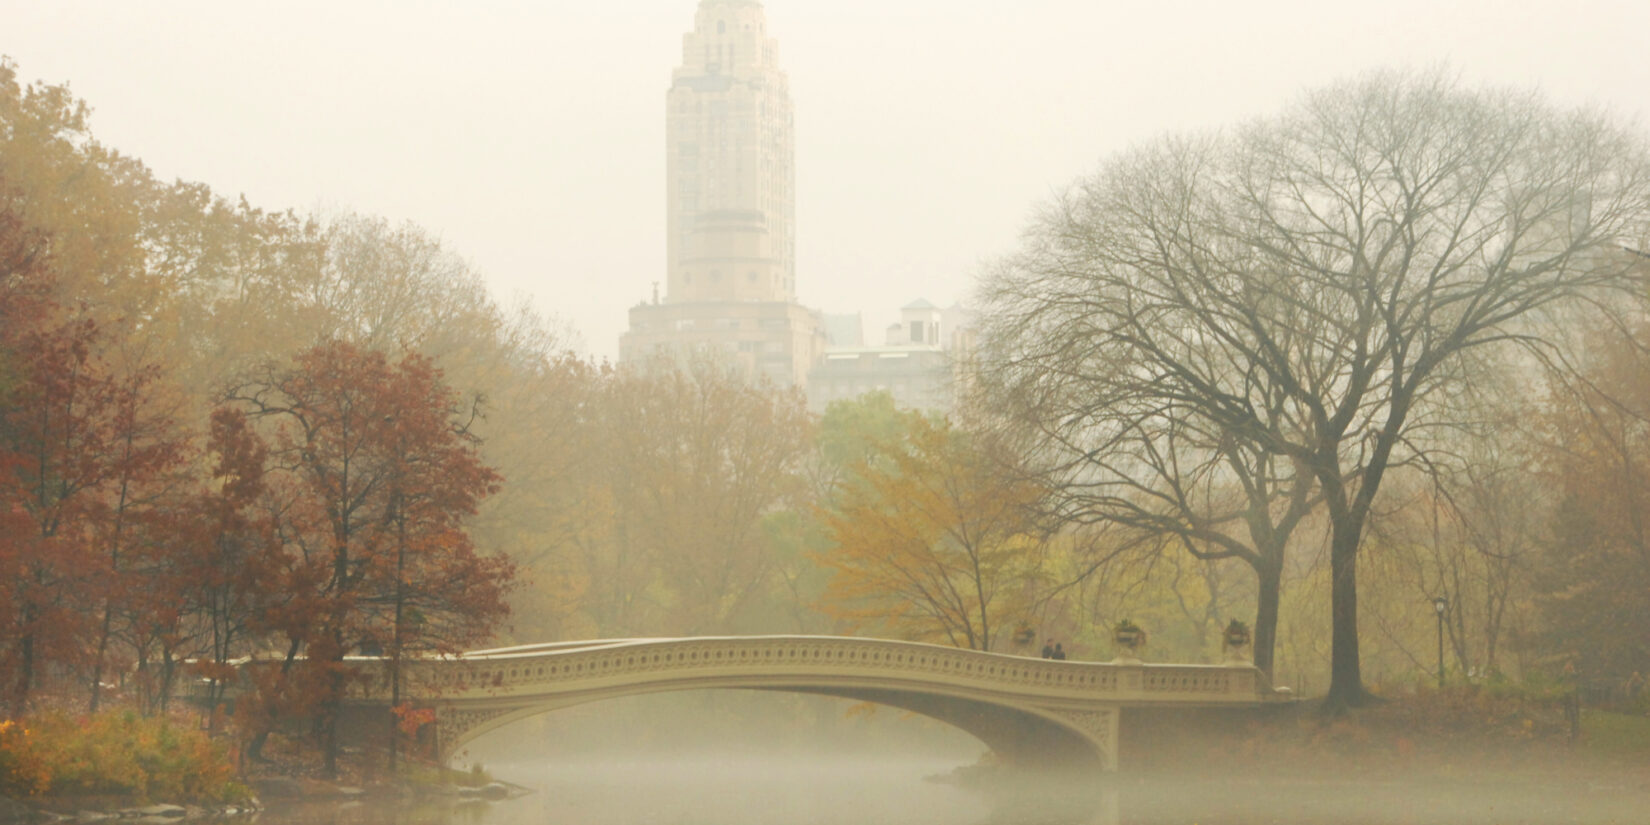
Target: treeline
pixel 229 432
pixel 224 433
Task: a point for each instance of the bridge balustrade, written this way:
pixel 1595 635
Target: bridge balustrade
pixel 534 670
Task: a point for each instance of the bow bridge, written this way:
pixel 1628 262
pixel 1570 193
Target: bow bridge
pixel 1029 711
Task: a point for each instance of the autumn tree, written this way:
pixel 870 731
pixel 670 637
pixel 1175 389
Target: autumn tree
pixel 1281 314
pixel 696 460
pixel 1594 573
pixel 176 290
pixel 933 539
pixel 78 402
pixel 226 558
pixel 57 429
pixel 378 474
pixel 147 453
pixel 665 511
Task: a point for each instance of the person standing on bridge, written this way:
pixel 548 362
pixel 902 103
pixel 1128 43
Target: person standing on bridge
pixel 1059 652
pixel 1048 649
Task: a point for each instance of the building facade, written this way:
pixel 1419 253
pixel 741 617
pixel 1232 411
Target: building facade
pixel 730 209
pixel 924 361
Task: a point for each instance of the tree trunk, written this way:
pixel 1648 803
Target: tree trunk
pixel 1346 686
pixel 332 706
pixel 102 651
pixel 24 681
pixel 1269 578
pixel 329 730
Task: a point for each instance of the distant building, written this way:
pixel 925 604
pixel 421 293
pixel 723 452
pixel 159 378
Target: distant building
pixel 730 209
pixel 730 249
pixel 922 361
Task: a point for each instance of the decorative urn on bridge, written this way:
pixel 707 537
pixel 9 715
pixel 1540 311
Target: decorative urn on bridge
pixel 1129 639
pixel 1234 642
pixel 1024 636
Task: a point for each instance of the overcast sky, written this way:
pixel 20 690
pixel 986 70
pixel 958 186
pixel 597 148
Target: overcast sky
pixel 529 136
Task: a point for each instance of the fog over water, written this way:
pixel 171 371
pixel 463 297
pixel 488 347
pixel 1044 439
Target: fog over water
pixel 755 758
pixel 793 790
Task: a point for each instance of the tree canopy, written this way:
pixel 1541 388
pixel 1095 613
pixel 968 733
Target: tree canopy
pixel 1213 330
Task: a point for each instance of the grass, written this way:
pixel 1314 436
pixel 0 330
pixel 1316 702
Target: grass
pixel 419 774
pixel 1615 734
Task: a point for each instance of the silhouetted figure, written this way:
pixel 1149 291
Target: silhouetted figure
pixel 1059 652
pixel 1048 651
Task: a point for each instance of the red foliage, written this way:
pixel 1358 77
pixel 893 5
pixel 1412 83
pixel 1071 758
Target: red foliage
pixel 57 428
pixel 378 475
pixel 77 447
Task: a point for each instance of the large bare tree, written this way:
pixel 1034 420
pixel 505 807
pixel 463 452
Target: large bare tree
pixel 1214 335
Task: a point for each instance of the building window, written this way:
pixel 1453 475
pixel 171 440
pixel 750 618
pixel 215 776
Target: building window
pixel 751 277
pixel 721 27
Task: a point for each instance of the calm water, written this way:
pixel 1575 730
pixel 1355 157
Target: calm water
pixel 755 791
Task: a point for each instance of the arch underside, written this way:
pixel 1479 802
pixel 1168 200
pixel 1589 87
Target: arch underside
pixel 1039 738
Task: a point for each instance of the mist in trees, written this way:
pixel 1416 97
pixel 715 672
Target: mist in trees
pixel 221 427
pixel 1215 333
pixel 1591 583
pixel 1304 371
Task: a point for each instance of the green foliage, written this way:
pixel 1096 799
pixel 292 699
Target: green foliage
pixel 856 429
pixel 116 753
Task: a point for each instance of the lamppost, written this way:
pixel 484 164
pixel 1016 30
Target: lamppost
pixel 1439 605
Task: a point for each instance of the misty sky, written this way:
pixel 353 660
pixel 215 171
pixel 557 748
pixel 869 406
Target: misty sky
pixel 530 135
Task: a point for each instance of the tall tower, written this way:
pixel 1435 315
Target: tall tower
pixel 730 163
pixel 730 208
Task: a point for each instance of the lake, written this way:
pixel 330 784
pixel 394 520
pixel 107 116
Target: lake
pixel 755 790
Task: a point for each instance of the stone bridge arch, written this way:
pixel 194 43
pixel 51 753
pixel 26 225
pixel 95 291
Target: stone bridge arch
pixel 1082 739
pixel 1034 712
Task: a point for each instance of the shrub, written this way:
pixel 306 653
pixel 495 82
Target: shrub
pixel 115 753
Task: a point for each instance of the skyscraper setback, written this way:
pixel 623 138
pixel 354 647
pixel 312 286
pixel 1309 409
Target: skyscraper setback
pixel 730 269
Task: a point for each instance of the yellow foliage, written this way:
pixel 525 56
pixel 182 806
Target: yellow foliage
pixel 116 753
pixel 934 539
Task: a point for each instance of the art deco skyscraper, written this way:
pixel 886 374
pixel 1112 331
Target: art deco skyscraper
pixel 730 165
pixel 730 269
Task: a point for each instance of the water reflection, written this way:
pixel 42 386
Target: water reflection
pixel 750 791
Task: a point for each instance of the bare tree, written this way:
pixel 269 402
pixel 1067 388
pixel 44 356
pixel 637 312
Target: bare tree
pixel 1212 333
